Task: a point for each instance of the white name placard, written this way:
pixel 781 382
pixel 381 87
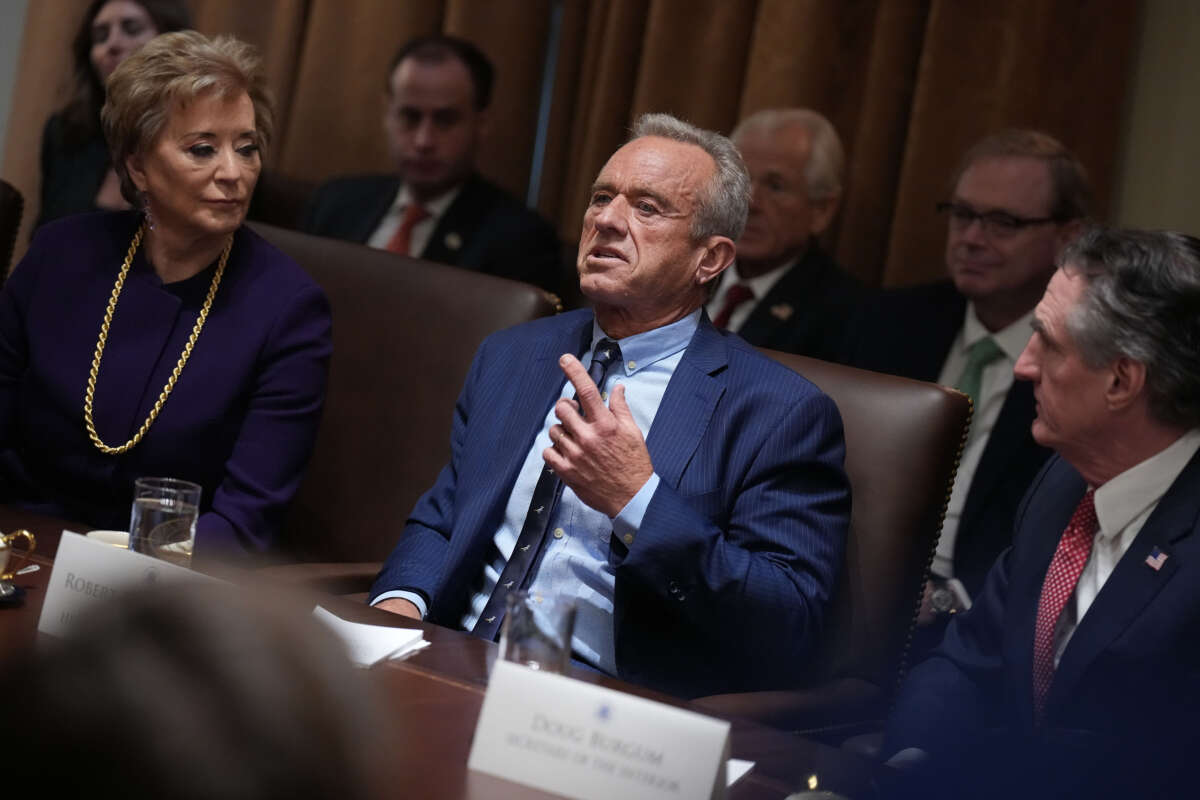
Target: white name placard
pixel 592 743
pixel 88 573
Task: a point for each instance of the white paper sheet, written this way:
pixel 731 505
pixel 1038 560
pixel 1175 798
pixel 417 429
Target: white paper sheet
pixel 367 645
pixel 736 769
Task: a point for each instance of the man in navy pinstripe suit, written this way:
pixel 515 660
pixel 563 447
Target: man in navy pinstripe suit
pixel 704 505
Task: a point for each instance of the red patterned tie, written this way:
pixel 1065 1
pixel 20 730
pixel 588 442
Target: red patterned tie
pixel 1059 586
pixel 401 241
pixel 737 294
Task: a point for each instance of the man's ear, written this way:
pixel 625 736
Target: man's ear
pixel 718 254
pixel 1126 380
pixel 137 171
pixel 823 212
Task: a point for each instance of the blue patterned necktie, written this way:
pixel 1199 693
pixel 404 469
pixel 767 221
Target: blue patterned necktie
pixel 517 572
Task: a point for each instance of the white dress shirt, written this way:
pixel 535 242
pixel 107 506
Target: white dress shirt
pixel 1123 505
pixel 418 238
pixel 760 286
pixel 993 389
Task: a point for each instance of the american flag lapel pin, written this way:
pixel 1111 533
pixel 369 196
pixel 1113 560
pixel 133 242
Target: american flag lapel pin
pixel 1156 559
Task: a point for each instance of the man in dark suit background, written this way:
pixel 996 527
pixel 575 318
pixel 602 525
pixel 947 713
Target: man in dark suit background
pixel 436 206
pixel 1018 197
pixel 784 291
pixel 1077 671
pixel 703 510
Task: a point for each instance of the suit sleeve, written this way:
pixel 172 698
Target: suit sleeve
pixel 277 434
pixel 760 570
pixel 959 689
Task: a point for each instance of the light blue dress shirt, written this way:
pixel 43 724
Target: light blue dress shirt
pixel 574 563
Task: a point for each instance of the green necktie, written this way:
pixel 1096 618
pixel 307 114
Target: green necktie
pixel 979 355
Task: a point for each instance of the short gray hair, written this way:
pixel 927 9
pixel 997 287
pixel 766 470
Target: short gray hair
pixel 1142 302
pixel 171 68
pixel 722 208
pixel 826 158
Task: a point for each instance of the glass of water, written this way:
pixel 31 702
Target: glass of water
pixel 163 522
pixel 537 631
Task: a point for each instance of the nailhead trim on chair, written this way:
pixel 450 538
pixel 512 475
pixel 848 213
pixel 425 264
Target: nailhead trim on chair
pixel 902 672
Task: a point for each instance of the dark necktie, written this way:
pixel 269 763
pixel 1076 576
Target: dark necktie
pixel 737 294
pixel 517 572
pixel 1065 568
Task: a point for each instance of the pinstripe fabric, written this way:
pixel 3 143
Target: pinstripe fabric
pixel 728 580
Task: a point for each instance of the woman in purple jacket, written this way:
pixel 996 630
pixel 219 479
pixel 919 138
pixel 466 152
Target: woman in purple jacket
pixel 168 340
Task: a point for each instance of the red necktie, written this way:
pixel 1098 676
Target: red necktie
pixel 401 240
pixel 1059 586
pixel 737 294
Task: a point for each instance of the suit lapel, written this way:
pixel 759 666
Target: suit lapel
pixel 1133 583
pixel 1025 592
pixel 371 210
pixel 688 403
pixel 538 385
pixel 464 215
pixel 780 305
pixel 1008 436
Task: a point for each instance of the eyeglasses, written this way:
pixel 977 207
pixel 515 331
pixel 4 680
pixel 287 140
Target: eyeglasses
pixel 998 224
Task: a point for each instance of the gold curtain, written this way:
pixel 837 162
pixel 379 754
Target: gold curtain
pixel 908 83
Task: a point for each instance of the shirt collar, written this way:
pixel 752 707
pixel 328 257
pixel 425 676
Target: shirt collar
pixel 436 207
pixel 1011 339
pixel 1121 499
pixel 761 284
pixel 643 349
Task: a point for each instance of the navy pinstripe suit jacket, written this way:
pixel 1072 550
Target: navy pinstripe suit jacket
pixel 728 582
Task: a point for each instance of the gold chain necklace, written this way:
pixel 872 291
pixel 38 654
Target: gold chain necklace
pixel 187 349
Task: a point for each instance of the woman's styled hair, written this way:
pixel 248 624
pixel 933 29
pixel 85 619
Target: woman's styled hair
pixel 169 70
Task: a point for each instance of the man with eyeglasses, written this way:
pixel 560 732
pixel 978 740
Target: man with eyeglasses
pixel 1018 197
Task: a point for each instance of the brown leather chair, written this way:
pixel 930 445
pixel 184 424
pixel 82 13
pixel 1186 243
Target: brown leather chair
pixel 280 199
pixel 404 334
pixel 11 207
pixel 903 443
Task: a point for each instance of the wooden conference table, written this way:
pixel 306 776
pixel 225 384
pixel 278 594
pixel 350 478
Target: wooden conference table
pixel 437 695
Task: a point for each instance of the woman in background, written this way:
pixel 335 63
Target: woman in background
pixel 76 173
pixel 167 340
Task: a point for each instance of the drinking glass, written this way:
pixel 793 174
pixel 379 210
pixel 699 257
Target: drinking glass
pixel 163 521
pixel 537 631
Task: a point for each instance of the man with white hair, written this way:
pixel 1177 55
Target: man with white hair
pixel 784 291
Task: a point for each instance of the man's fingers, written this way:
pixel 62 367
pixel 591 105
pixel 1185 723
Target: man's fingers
pixel 561 441
pixel 586 391
pixel 617 404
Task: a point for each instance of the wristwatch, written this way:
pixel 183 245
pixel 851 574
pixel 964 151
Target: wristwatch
pixel 942 601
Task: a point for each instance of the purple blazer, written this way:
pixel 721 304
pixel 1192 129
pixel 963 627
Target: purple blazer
pixel 243 415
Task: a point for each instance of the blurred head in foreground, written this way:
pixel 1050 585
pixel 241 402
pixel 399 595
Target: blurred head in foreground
pixel 193 693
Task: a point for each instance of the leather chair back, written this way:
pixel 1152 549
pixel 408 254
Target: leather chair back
pixel 904 439
pixel 405 332
pixel 280 200
pixel 11 207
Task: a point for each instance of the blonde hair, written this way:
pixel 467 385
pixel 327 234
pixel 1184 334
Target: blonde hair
pixel 171 69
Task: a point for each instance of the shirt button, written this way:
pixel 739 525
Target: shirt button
pixel 631 365
pixel 559 533
pixel 628 538
pixel 604 396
